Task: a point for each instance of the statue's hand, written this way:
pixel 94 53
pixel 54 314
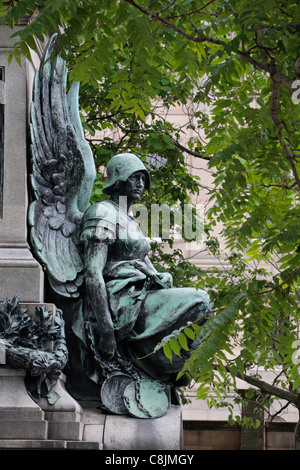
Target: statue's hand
pixel 108 346
pixel 166 278
pixel 108 355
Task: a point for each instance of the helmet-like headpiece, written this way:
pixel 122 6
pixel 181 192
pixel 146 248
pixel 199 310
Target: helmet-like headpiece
pixel 120 167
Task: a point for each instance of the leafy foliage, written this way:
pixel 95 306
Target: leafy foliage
pixel 25 342
pixel 232 64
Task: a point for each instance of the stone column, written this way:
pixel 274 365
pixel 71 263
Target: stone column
pixel 22 421
pixel 253 438
pixel 20 274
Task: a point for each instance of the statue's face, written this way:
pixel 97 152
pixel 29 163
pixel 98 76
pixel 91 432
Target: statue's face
pixel 134 186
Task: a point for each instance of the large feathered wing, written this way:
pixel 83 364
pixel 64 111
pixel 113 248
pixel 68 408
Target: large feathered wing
pixel 63 173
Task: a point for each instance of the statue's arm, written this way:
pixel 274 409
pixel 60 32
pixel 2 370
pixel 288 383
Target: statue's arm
pixel 96 304
pixel 164 277
pixel 149 264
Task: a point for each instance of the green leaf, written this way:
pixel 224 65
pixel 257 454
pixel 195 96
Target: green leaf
pixel 183 341
pixel 175 347
pixel 240 365
pixel 189 333
pixel 168 351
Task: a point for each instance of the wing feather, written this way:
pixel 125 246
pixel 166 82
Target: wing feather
pixel 63 173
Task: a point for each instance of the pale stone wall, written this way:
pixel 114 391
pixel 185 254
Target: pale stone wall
pixel 20 274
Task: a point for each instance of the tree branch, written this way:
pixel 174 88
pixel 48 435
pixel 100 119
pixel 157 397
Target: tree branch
pixel 274 103
pixel 165 8
pixel 283 186
pixel 279 285
pixel 273 113
pixel 292 397
pixel 277 27
pixel 276 74
pixel 154 16
pixel 189 151
pixel 194 11
pixel 232 10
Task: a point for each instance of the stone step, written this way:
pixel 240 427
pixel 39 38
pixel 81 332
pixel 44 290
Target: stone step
pixel 51 444
pixel 23 429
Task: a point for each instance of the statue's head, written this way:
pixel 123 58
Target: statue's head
pixel 120 168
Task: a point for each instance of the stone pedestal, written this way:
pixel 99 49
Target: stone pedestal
pixel 127 433
pixel 20 416
pixel 25 424
pixel 65 416
pixel 20 274
pixel 70 425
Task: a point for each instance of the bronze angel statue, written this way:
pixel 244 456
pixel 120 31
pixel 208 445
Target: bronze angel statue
pixel 117 307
